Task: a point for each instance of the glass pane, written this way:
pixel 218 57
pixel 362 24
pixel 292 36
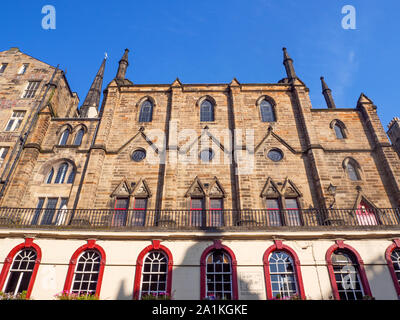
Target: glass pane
pixel 267 114
pixel 272 204
pixel 121 203
pixel 140 203
pixel 338 132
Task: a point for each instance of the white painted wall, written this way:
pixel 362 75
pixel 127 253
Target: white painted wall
pixel 121 255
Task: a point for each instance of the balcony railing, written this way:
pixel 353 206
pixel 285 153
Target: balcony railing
pixel 257 219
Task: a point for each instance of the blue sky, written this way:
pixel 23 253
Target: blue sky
pixel 213 41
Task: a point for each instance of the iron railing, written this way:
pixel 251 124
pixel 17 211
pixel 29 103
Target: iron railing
pixel 196 219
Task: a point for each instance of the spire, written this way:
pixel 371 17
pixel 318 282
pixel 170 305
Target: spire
pixel 288 63
pixel 327 94
pixel 123 65
pixel 92 101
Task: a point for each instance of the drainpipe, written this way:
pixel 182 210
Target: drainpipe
pixel 24 137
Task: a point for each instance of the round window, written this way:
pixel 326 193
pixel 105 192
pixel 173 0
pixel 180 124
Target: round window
pixel 206 155
pixel 138 155
pixel 275 155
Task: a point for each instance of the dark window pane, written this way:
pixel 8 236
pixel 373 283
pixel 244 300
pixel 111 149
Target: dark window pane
pixel 267 113
pixel 206 111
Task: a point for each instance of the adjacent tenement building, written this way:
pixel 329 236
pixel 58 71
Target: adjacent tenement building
pixel 235 190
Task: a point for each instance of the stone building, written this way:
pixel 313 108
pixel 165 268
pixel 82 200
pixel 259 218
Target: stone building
pixel 164 188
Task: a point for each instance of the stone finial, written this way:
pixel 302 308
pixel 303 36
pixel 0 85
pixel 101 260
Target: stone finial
pixel 327 94
pixel 123 66
pixel 288 63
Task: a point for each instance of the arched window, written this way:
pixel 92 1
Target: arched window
pixel 153 271
pixel 86 268
pixel 339 131
pixel 86 273
pixel 146 111
pixel 346 272
pixel 352 171
pixel 267 111
pixel 78 137
pixel 71 176
pixel 206 111
pixel 218 273
pixel 64 138
pixel 154 274
pixel 61 173
pixel 20 268
pixel 392 256
pixel 339 128
pixel 50 176
pixel 282 272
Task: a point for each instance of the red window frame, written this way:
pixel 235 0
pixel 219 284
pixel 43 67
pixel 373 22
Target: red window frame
pixel 389 250
pixel 272 213
pixel 298 220
pixel 139 212
pixel 139 265
pixel 117 215
pixel 279 246
pixel 203 264
pixel 10 258
pixel 363 277
pixel 197 212
pixel 91 245
pixel 213 211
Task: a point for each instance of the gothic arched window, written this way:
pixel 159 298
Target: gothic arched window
pixel 206 111
pixel 352 171
pixel 64 138
pixel 339 131
pixel 61 173
pixel 146 111
pixel 78 137
pixel 267 111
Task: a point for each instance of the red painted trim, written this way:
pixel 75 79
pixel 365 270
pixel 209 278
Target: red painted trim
pixel 139 264
pixel 389 250
pixel 218 246
pixel 279 246
pixel 91 245
pixel 9 260
pixel 328 257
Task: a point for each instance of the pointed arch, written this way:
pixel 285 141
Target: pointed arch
pixel 146 110
pixel 207 106
pixel 352 169
pixel 339 129
pixel 266 107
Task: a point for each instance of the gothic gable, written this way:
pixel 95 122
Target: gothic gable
pixel 196 189
pixel 270 189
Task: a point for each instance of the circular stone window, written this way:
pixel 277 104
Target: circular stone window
pixel 206 155
pixel 275 155
pixel 138 155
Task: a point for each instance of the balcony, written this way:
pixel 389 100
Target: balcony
pixel 195 220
